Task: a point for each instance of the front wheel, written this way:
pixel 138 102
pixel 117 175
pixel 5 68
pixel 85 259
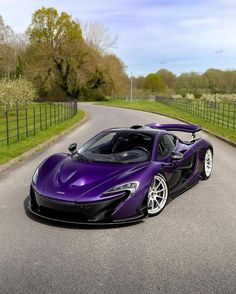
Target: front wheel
pixel 208 165
pixel 157 195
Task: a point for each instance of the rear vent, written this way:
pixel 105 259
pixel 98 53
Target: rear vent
pixel 135 127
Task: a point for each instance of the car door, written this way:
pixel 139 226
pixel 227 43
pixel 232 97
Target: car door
pixel 171 169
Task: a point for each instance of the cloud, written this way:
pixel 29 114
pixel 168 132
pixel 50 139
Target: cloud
pixel 220 51
pixel 178 34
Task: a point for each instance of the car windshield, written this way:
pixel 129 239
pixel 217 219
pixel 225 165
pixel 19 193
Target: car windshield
pixel 118 147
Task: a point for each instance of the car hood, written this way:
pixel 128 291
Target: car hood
pixel 71 180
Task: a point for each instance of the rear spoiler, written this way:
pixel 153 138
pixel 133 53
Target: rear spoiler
pixel 187 128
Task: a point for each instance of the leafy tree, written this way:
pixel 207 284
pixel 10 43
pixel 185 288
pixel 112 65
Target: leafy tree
pixel 139 82
pixel 62 64
pixel 56 53
pixel 168 77
pixel 7 61
pixel 16 92
pixel 155 82
pixel 52 29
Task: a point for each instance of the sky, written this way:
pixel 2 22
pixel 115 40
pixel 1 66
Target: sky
pixel 180 35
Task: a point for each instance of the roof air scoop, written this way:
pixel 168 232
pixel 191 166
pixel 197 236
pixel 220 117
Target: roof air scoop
pixel 135 127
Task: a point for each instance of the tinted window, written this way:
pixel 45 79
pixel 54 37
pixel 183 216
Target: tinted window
pixel 120 147
pixel 166 146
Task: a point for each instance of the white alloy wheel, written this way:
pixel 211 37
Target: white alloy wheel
pixel 208 163
pixel 157 195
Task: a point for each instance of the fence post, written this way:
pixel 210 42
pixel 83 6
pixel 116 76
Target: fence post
pixel 203 109
pixel 34 120
pixel 215 108
pixel 46 118
pixel 26 122
pixel 223 113
pixel 210 108
pixel 17 125
pixel 55 113
pixel 199 108
pixel 58 113
pixel 62 118
pixel 234 116
pixel 64 110
pixel 228 114
pixel 50 115
pixel 7 127
pixel 40 117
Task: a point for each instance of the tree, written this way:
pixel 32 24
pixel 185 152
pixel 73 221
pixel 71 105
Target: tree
pixel 189 83
pixel 61 63
pixel 8 61
pixel 16 92
pixel 139 82
pixel 53 30
pixel 168 77
pixel 56 53
pixel 11 47
pixel 98 36
pixel 155 82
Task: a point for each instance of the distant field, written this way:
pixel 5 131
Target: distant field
pixel 164 109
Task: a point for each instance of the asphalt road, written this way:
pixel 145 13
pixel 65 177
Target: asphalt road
pixel 189 248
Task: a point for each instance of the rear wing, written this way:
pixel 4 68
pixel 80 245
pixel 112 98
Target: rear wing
pixel 187 128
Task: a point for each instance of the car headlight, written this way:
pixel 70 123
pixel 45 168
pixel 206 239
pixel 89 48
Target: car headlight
pixel 131 186
pixel 35 176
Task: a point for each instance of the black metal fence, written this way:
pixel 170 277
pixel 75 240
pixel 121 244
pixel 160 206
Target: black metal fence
pixel 20 123
pixel 219 113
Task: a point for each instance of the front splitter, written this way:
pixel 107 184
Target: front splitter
pixel 37 213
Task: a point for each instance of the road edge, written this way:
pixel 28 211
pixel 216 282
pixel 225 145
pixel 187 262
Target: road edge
pixel 26 155
pixel 233 144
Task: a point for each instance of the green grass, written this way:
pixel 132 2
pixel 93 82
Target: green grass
pixel 164 109
pixel 13 150
pixel 40 116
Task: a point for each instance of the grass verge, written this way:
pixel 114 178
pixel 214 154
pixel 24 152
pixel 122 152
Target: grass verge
pixel 11 151
pixel 157 107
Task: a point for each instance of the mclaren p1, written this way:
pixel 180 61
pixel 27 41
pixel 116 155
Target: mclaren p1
pixel 121 175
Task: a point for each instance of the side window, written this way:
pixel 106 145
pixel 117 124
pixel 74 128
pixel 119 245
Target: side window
pixel 166 146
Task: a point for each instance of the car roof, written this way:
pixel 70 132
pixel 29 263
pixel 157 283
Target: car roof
pixel 138 129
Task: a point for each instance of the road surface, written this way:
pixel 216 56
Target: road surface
pixel 189 248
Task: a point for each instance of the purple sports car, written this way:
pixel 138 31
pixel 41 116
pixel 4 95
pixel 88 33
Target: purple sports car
pixel 121 175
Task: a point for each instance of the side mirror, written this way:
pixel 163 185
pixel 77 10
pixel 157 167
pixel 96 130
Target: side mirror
pixel 176 155
pixel 72 148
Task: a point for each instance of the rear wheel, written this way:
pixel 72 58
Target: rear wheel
pixel 207 165
pixel 157 195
